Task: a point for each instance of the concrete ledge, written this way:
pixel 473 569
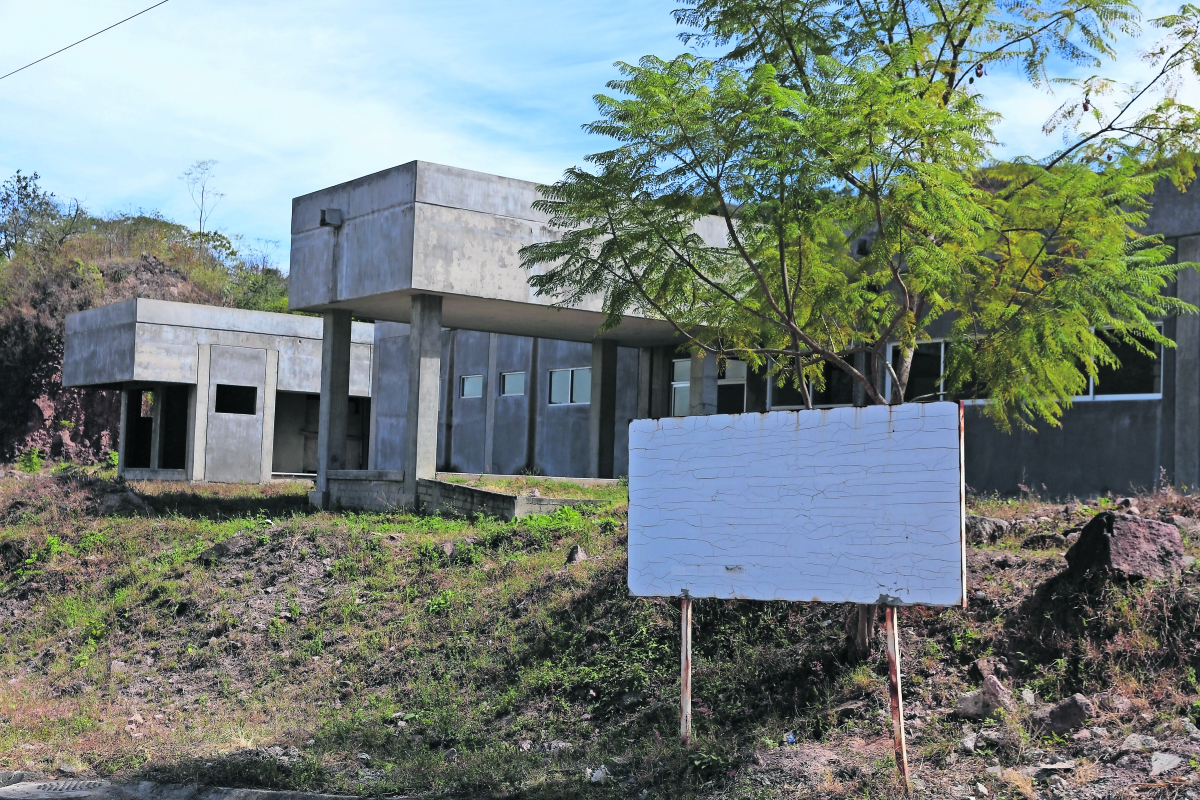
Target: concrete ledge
pixel 475 476
pixel 154 475
pixel 366 475
pixel 460 500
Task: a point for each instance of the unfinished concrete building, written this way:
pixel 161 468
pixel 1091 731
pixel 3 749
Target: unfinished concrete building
pixel 216 394
pixel 472 372
pixel 521 386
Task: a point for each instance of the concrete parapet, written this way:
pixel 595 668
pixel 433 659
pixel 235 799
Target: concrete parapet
pixel 481 476
pixel 363 490
pixel 459 500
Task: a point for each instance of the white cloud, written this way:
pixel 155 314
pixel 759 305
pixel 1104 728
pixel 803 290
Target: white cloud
pixel 294 95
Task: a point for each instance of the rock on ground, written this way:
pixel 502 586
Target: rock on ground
pixel 1127 545
pixel 1065 715
pixel 1163 762
pixel 985 530
pixel 1044 541
pixel 984 702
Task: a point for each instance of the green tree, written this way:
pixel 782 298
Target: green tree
pixel 737 186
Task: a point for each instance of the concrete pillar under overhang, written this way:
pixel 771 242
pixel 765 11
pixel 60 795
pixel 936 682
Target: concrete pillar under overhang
pixel 702 391
pixel 645 389
pixel 123 436
pixel 1187 371
pixel 335 400
pixel 156 430
pixel 424 371
pixel 602 416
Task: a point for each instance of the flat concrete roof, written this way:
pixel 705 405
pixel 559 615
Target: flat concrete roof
pixel 423 228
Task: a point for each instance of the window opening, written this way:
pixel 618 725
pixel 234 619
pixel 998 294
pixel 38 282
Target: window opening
pixel 1138 378
pixel 731 388
pixel 681 386
pixel 471 386
pixel 512 383
pixel 571 386
pixel 236 399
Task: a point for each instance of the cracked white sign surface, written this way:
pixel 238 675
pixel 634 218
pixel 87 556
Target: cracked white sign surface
pixel 859 505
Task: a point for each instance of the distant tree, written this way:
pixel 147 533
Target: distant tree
pixel 256 283
pixel 30 216
pixel 829 121
pixel 198 178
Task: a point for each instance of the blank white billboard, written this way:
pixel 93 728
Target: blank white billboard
pixel 858 505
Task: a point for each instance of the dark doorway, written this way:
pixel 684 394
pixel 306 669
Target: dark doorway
pixel 174 421
pixel 139 429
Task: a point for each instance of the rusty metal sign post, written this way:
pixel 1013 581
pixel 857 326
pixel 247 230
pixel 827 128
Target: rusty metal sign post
pixel 685 670
pixel 897 700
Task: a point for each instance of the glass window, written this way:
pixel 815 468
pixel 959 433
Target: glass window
pixel 236 399
pixel 560 386
pixel 681 386
pixel 733 371
pixel 512 383
pixel 471 386
pixel 581 385
pixel 681 395
pixel 1138 374
pixel 572 386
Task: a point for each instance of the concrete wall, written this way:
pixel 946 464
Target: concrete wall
pixel 1115 446
pixel 553 440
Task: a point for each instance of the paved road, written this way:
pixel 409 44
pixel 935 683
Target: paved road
pixel 103 790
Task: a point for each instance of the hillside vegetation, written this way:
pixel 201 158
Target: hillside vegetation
pixel 57 258
pixel 230 635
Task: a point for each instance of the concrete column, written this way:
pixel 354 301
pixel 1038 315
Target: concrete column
pixel 660 382
pixel 645 389
pixel 124 434
pixel 702 394
pixel 266 462
pixel 602 416
pixel 335 400
pixel 533 405
pixel 424 369
pixel 156 428
pixel 491 390
pixel 1187 372
pixel 200 431
pixel 373 431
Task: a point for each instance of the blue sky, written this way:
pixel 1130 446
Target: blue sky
pixel 290 96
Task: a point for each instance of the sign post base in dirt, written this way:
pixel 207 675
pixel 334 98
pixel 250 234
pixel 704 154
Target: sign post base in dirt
pixel 685 670
pixel 838 505
pixel 897 700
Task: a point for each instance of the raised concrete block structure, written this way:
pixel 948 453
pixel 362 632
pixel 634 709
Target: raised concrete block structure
pixel 218 394
pixel 433 246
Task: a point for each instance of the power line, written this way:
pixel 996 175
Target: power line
pixel 84 39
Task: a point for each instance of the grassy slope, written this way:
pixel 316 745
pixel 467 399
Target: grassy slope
pixel 315 630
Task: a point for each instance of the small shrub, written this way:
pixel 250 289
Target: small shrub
pixel 31 460
pixel 440 603
pixel 429 555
